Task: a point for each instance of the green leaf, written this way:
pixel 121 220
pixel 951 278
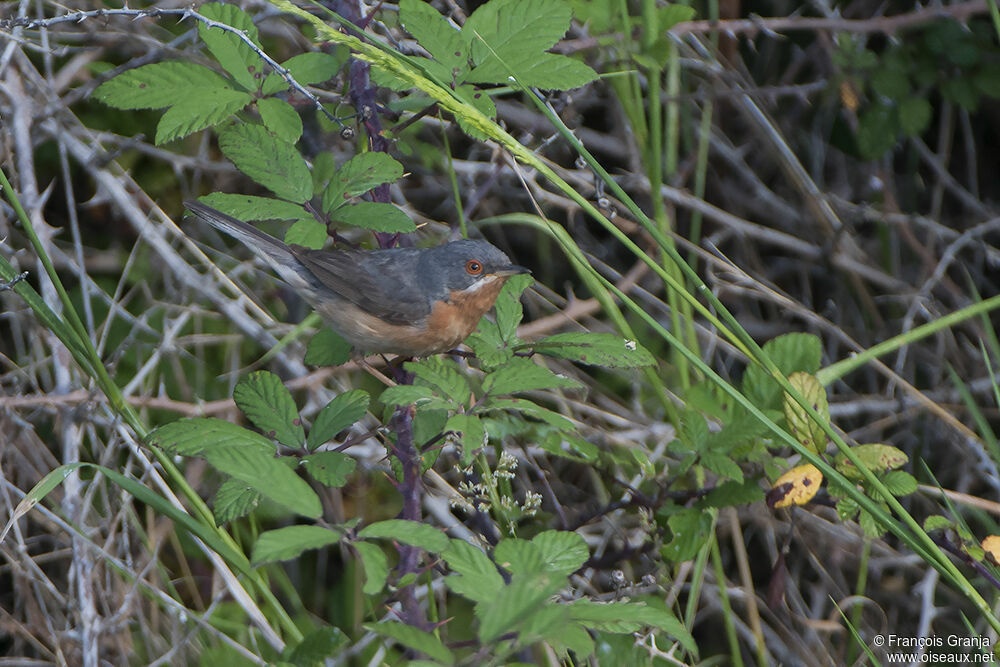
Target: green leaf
pixel 359 175
pixel 413 638
pixel 890 82
pixel 436 35
pixel 239 453
pixel 519 556
pixel 235 55
pixel 251 207
pixel 937 522
pixel 514 603
pixel 508 306
pixel 265 401
pixel 159 85
pixel 408 532
pixel 308 233
pixel 289 542
pixel 306 69
pixel 197 110
pixel 473 434
pixel 876 457
pixel 878 129
pixel 551 71
pixel 790 353
pixel 915 115
pixel 732 493
pixel 479 100
pixel 415 395
pixel 961 91
pixel 443 376
pixel 327 348
pixel 329 468
pixel 900 483
pixel 321 643
pixel 562 551
pixel 628 617
pixel 808 432
pixel 670 15
pixel 338 414
pixel 597 349
pixel 376 216
pixel 375 564
pixel 280 118
pixel 268 160
pixel 476 575
pixel 520 374
pixel 510 36
pixel 490 349
pixel 987 80
pixel 233 500
pixel 690 529
pixel 721 465
pixel 526 407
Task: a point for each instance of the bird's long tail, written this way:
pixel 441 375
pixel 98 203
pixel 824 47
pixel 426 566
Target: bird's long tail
pixel 270 249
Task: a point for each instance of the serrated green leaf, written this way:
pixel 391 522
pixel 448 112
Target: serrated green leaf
pixel 473 434
pixel 327 348
pixel 876 457
pixel 159 85
pixel 289 542
pixel 359 175
pixel 268 160
pixel 519 556
pixel 264 400
pixel 670 15
pixel 306 69
pixel 808 432
pixel 337 415
pixel 476 575
pixel 413 638
pixel 437 36
pixel 732 493
pixel 526 407
pixel 562 551
pixel 890 82
pixel 596 349
pixel 329 468
pixel 280 118
pixel 376 216
pixel 915 115
pixel 937 522
pixel 508 307
pixel 490 349
pixel 900 483
pixel 513 604
pixel 627 617
pixel 376 566
pixel 321 643
pixel 878 129
pixel 443 376
pixel 408 532
pixel 251 207
pixel 569 446
pixel 418 395
pixel 197 111
pixel 721 465
pixel 239 453
pixel 551 71
pixel 510 37
pixel 233 500
pixel 235 55
pixel 308 233
pixel 520 374
pixel 690 529
pixel 790 353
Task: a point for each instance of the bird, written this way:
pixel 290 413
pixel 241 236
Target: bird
pixel 412 302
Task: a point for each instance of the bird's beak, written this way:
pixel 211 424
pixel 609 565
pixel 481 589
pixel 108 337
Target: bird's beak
pixel 511 270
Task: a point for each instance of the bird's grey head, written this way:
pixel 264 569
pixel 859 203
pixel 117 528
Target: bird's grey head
pixel 460 265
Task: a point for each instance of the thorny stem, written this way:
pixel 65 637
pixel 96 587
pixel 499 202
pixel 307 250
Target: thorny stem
pixel 362 96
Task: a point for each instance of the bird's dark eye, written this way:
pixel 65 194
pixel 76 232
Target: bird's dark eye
pixel 473 267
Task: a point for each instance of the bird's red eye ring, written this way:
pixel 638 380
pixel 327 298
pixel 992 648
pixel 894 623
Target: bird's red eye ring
pixel 473 267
